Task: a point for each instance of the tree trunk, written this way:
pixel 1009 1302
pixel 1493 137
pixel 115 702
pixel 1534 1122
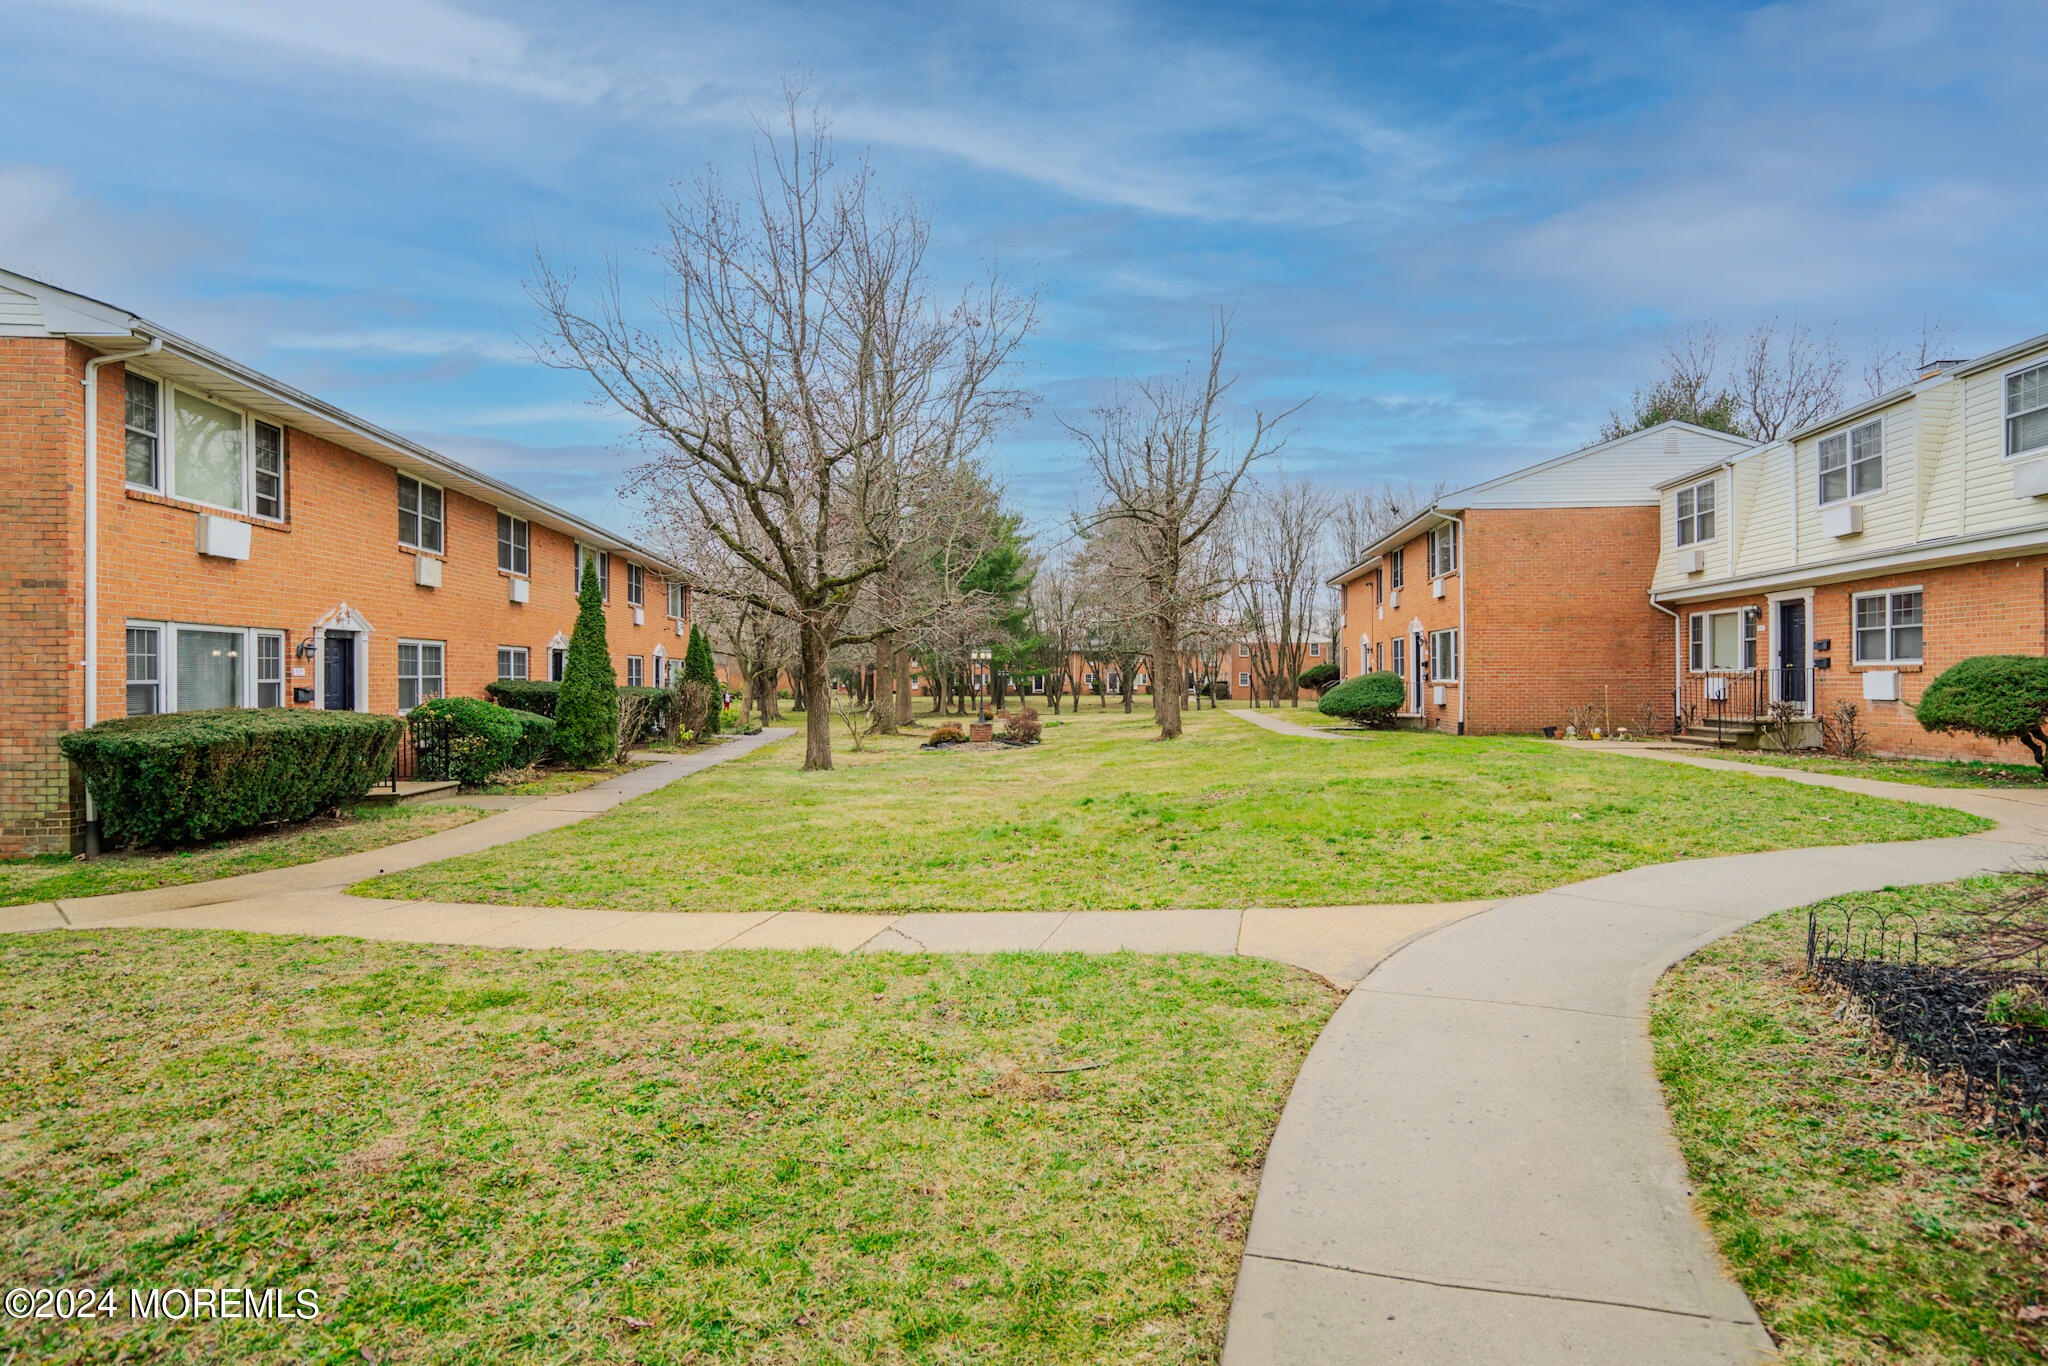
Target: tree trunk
pixel 885 683
pixel 1166 701
pixel 818 693
pixel 903 711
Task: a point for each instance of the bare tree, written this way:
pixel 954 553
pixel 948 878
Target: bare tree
pixel 1785 377
pixel 1364 515
pixel 1169 473
pixel 1687 391
pixel 803 387
pixel 1281 540
pixel 1892 365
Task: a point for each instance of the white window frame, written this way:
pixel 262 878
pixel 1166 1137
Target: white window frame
pixel 1892 626
pixel 604 572
pixel 676 602
pixel 636 672
pixel 166 448
pixel 1443 550
pixel 247 694
pixel 1397 568
pixel 440 546
pixel 1437 653
pixel 420 677
pixel 155 683
pixel 2005 406
pixel 1688 523
pixel 515 550
pixel 512 655
pixel 636 585
pixel 1850 464
pixel 257 680
pixel 1244 680
pixel 1315 649
pixel 1699 641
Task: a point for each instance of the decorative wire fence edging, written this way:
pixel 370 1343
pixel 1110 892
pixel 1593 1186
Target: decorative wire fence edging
pixel 1936 1015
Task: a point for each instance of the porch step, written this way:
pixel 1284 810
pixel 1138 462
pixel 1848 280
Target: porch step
pixel 410 792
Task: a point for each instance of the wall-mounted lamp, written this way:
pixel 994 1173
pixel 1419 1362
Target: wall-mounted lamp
pixel 304 649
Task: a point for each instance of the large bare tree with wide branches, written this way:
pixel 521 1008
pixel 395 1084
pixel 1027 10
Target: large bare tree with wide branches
pixel 799 379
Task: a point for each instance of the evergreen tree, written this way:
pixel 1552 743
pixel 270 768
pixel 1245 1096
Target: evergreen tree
pixel 587 709
pixel 699 666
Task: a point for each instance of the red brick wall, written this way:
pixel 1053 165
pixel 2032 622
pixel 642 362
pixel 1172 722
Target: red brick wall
pixel 1996 607
pixel 42 600
pixel 1558 616
pixel 1376 619
pixel 338 544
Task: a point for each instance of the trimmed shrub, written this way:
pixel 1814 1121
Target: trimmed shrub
pixel 464 738
pixel 1320 677
pixel 536 737
pixel 587 710
pixel 1369 700
pixel 1023 728
pixel 2004 697
pixel 198 775
pixel 537 696
pixel 946 735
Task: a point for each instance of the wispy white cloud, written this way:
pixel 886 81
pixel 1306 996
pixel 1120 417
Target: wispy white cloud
pixel 425 342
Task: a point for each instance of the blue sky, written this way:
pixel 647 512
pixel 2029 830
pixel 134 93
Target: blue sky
pixel 1463 226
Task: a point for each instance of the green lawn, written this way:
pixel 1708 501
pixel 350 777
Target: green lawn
pixel 1867 1221
pixel 367 827
pixel 550 782
pixel 1103 816
pixel 482 1156
pixel 1919 772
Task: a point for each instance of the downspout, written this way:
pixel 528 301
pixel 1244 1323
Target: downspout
pixel 92 555
pixel 1677 654
pixel 1459 522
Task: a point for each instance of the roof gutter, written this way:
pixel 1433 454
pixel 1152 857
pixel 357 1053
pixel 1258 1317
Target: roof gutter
pixel 92 554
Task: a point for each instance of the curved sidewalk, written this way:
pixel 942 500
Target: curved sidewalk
pixel 1475 1164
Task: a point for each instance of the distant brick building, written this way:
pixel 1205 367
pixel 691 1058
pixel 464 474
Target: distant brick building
pixel 245 544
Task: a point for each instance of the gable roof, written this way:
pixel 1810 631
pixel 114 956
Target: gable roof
pixel 35 308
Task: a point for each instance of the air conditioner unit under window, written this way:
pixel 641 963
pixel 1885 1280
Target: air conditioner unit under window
pixel 1394 598
pixel 426 571
pixel 1843 519
pixel 1692 561
pixel 1436 588
pixel 224 538
pixel 520 589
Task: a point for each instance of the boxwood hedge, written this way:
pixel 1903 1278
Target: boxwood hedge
pixel 465 738
pixel 198 775
pixel 1369 699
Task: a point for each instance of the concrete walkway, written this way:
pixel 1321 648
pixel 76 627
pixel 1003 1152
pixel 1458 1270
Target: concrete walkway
pixel 1475 1164
pixel 1279 725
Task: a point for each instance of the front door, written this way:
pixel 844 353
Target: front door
pixel 1417 665
pixel 1792 651
pixel 338 684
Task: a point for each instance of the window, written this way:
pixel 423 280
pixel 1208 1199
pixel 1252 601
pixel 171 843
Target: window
pixel 419 514
pixel 557 661
pixel 512 543
pixel 2026 411
pixel 145 678
pixel 1852 462
pixel 1244 680
pixel 635 584
pixel 512 661
pixel 145 435
pixel 1401 655
pixel 1443 551
pixel 269 668
pixel 206 453
pixel 1443 656
pixel 1315 649
pixel 1244 652
pixel 676 601
pixel 209 664
pixel 419 672
pixel 1395 563
pixel 1696 514
pixel 636 674
pixel 1888 627
pixel 604 571
pixel 1722 641
pixel 269 472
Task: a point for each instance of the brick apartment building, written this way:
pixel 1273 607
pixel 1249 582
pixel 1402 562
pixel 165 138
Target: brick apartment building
pixel 1506 605
pixel 1857 558
pixel 187 533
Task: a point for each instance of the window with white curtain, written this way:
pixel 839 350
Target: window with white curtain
pixel 1443 550
pixel 209 452
pixel 1443 656
pixel 419 672
pixel 1722 641
pixel 209 664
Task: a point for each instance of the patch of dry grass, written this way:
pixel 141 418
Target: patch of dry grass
pixel 494 1155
